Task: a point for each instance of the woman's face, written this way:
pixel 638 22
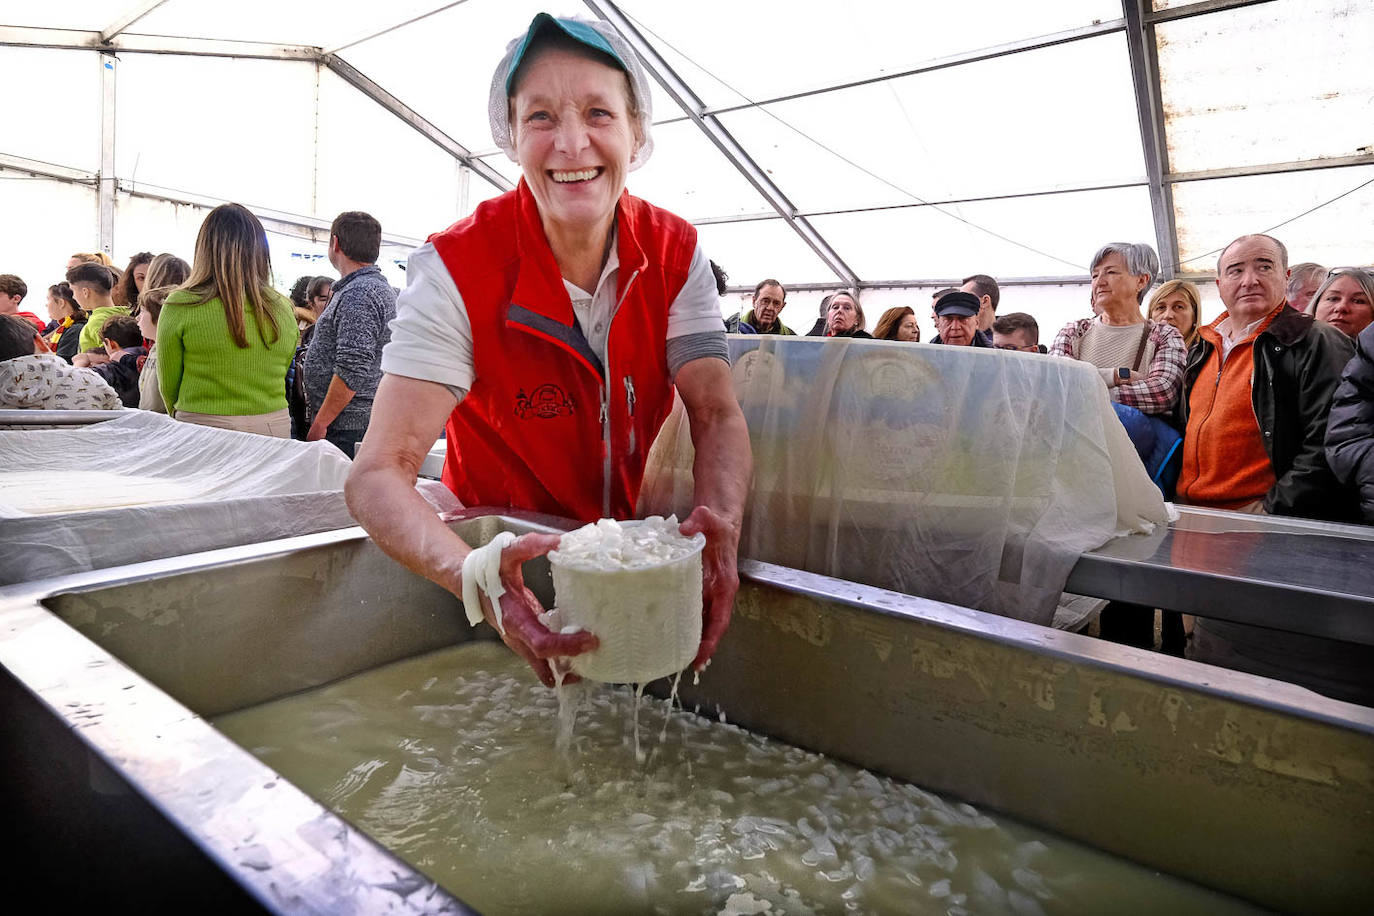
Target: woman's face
pixel 140 275
pixel 842 315
pixel 1346 305
pixel 574 138
pixel 321 299
pixel 1174 309
pixel 1113 283
pixel 909 329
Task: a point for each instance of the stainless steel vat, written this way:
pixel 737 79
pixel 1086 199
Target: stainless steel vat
pixel 1254 787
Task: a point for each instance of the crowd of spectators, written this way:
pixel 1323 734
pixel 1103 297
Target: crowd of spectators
pixel 211 341
pixel 1270 405
pixel 1248 394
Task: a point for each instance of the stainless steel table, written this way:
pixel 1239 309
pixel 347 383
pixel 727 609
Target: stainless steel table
pixel 1315 578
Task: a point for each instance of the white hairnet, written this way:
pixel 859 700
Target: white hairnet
pixel 498 108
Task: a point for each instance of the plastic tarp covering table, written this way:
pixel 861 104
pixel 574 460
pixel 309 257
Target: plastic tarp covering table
pixel 144 486
pixel 967 475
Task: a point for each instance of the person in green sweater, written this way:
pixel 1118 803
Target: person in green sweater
pixel 225 337
pixel 93 287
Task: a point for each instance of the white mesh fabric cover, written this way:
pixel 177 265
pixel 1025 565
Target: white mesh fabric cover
pixel 144 486
pixel 961 474
pixel 646 615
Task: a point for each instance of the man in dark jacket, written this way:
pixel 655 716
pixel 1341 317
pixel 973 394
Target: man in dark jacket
pixel 1256 396
pixel 956 318
pixel 1350 431
pixel 1256 393
pixel 344 363
pixel 770 298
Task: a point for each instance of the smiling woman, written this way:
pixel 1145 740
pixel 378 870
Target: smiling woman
pixel 551 329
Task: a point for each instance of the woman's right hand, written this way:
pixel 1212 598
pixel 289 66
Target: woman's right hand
pixel 520 610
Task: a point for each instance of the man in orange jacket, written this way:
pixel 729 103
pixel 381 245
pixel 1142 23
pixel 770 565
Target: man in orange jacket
pixel 1256 392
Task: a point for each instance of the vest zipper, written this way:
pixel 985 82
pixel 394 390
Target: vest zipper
pixel 605 451
pixel 630 408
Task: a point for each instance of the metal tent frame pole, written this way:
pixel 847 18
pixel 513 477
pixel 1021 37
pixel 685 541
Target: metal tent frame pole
pixel 723 140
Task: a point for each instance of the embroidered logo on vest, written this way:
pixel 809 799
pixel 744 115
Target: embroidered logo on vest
pixel 547 402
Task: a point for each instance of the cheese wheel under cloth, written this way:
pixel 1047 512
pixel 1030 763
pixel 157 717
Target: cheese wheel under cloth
pixel 637 586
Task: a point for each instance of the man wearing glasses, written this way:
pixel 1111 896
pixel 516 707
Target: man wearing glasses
pixel 1017 331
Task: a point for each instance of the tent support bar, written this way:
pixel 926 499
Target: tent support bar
pixel 128 19
pixel 41 169
pixel 378 33
pixel 359 81
pixel 942 63
pixel 722 139
pixel 1140 43
pixel 1153 17
pixel 307 227
pixel 109 65
pixel 128 43
pixel 1274 168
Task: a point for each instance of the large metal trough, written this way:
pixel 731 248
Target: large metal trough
pixel 120 790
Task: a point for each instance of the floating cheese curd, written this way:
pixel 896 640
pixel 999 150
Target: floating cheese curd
pixel 637 586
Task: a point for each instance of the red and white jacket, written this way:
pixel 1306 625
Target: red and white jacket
pixel 546 426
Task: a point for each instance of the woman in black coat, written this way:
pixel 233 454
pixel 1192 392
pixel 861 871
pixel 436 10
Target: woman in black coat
pixel 844 317
pixel 1350 426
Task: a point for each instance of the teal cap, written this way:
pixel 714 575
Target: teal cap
pixel 577 30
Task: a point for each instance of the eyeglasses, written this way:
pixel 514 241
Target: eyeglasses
pixel 1337 271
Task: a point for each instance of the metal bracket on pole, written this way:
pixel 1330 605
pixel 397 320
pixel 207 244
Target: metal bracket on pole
pixel 1140 42
pixel 683 94
pixel 106 193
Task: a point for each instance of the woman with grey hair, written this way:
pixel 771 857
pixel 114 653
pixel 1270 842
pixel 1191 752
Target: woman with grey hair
pixel 1140 361
pixel 551 331
pixel 1303 280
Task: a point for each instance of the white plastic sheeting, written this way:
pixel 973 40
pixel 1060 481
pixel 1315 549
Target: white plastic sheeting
pixel 144 486
pixel 959 474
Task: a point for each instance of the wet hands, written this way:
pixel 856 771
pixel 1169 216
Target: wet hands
pixel 519 623
pixel 720 575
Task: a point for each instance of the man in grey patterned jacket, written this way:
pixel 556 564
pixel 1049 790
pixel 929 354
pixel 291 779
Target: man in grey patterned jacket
pixel 344 363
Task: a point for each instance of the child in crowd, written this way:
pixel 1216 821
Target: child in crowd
pixel 124 352
pixel 149 308
pixel 33 378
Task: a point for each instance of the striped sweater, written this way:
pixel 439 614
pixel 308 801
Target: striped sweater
pixel 200 368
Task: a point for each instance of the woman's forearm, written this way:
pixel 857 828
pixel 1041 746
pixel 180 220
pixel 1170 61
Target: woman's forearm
pixel 383 499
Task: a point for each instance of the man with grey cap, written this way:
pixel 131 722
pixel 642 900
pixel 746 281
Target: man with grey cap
pixel 551 329
pixel 956 320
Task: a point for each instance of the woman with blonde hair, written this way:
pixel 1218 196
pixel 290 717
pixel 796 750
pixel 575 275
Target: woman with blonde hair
pixel 225 337
pixel 166 270
pixel 1178 302
pixel 1345 299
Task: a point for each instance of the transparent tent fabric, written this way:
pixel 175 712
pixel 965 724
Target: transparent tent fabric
pixel 963 475
pixel 1252 85
pixel 144 486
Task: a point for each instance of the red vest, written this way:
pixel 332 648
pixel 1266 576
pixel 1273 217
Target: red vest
pixel 546 427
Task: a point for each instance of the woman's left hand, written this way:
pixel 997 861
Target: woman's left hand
pixel 720 576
